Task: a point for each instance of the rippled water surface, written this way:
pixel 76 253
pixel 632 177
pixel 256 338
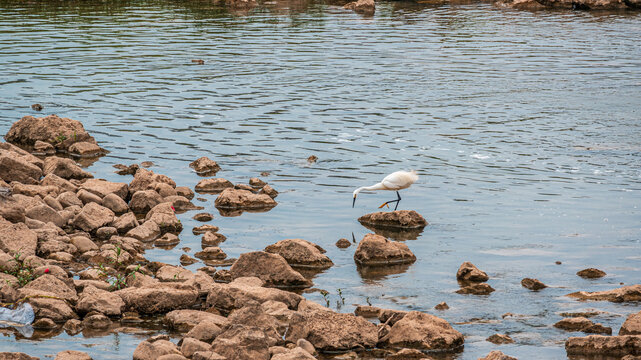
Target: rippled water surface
pixel 524 127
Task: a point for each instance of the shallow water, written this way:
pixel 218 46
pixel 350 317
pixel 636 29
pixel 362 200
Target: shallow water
pixel 523 126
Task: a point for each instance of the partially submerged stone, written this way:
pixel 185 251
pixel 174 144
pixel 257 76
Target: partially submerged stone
pixel 500 339
pixel 622 294
pixel 301 253
pixel 533 284
pixel 468 272
pixel 399 219
pixel 595 345
pixel 632 325
pixel 204 165
pixel 62 132
pixel 582 324
pixel 211 253
pixel 242 199
pixel 476 289
pixel 215 185
pixel 424 332
pixel 64 168
pixel 343 243
pixel 375 250
pixel 271 268
pixel 365 7
pixel 591 273
pixel 497 355
pixel 186 320
pixel 152 349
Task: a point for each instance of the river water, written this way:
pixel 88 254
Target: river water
pixel 524 127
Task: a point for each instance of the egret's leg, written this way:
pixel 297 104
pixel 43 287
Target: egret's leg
pixel 391 201
pixel 398 200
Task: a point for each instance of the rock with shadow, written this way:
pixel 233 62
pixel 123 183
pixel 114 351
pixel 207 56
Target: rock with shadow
pixel 397 225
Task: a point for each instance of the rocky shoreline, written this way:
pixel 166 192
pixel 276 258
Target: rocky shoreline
pixel 73 247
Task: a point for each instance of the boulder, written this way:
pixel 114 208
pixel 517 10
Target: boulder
pixel 215 185
pixel 104 302
pixel 53 203
pixel 632 325
pixel 103 188
pixel 147 180
pixel 168 240
pixel 226 297
pixel 601 345
pixel 252 314
pixel 296 353
pixel 468 272
pixel 422 331
pixel 149 231
pixel 125 222
pixel 62 132
pixel 72 355
pixel 205 330
pixel 497 355
pixel 152 350
pixel 212 239
pixel 93 216
pixel 532 284
pixel 50 285
pixel 16 356
pixel 301 253
pixel 11 210
pixel 73 326
pixel 18 239
pixel 622 294
pixel 68 199
pixel 33 190
pixel 270 191
pixel 582 324
pixel 186 320
pixel 190 346
pixel 60 183
pixel 184 192
pixel 365 7
pixel 87 197
pixel 160 298
pixel 330 331
pixel 54 309
pixel 45 214
pixel 64 168
pixel 86 149
pixel 375 250
pixel 165 217
pixel 406 354
pixel 399 219
pixel 14 168
pixel 204 165
pixel 242 342
pixel 144 200
pixel 242 199
pixel 591 273
pixel 170 273
pixel 273 269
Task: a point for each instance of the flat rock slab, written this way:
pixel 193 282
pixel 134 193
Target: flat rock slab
pixel 615 346
pixel 301 253
pixel 400 219
pixel 622 294
pixel 424 332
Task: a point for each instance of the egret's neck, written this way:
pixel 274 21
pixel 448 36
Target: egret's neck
pixel 377 186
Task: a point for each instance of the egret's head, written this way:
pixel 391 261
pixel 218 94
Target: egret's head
pixel 354 200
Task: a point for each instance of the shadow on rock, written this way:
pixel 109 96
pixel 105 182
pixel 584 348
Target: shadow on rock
pixel 397 234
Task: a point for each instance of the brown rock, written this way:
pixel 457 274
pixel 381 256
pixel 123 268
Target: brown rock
pixel 271 268
pixel 103 188
pixel 365 7
pixel 242 342
pixel 582 324
pixel 45 214
pixel 207 355
pixel 226 297
pixel 43 148
pixel 170 273
pixel 500 339
pixel 44 323
pixel 211 253
pixel 92 217
pixel 205 330
pixel 165 217
pixel 330 331
pixel 424 332
pixel 497 355
pixel 632 325
pixel 594 345
pixel 204 228
pixel 591 273
pixel 152 350
pixel 50 285
pixel 203 217
pixel 60 183
pixel 256 183
pixel 403 219
pixel 268 190
pixel 73 326
pixel 125 222
pixel 53 203
pixel 168 240
pixel 72 355
pixel 296 353
pixel 584 4
pixel 33 190
pixel 190 346
pixel 11 210
pixel 376 250
pixel 186 320
pixel 96 321
pixel 215 185
pixel 16 356
pixel 147 180
pixel 622 294
pixel 86 197
pixel 54 309
pixel 204 165
pixel 149 231
pixel 184 192
pixel 68 199
pixel 64 168
pixel 185 259
pixel 343 244
pixel 242 199
pixel 51 129
pixel 442 306
pixel 468 272
pixel 160 298
pixel 104 302
pixel 126 170
pixel 212 239
pixel 532 284
pixel 301 253
pixel 143 201
pixel 252 314
pixel 367 311
pixel 476 289
pixel 14 168
pixel 86 149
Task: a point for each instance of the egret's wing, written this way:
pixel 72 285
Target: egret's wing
pixel 394 180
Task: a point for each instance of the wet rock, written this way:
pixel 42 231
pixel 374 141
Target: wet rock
pixel 92 217
pixel 212 239
pixel 64 168
pixel 406 354
pixel 104 302
pixel 165 190
pixel 165 217
pixel 147 180
pixel 242 199
pixel 632 325
pixel 424 332
pixel 256 183
pixel 582 324
pixel 51 129
pixel 86 197
pixel 186 260
pixel 375 250
pixel 72 355
pixel 268 190
pixel 403 219
pixel 68 199
pixel 442 306
pixel 115 203
pixel 54 309
pixel 168 239
pixel 500 339
pixel 160 298
pixel 476 289
pixel 185 192
pixel 584 4
pixel 152 350
pixel 204 165
pixel 186 320
pixel 149 231
pixel 181 203
pixel 622 294
pixel 16 356
pixel 367 311
pixel 203 217
pixel 204 228
pixel 244 187
pixel 215 185
pixel 591 273
pixel 44 323
pixel 330 331
pixel 43 148
pixel 301 253
pixel 73 326
pixel 532 284
pixel 271 268
pixel 86 149
pixel 242 342
pixel 143 201
pixel 96 321
pixel 595 345
pixel 126 170
pixel 312 159
pixel 470 273
pixel 296 353
pixel 365 7
pixel 125 222
pixel 343 243
pixel 15 168
pixel 497 355
pixel 211 253
pixel 226 297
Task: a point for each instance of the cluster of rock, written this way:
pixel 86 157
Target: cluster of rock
pixel 613 5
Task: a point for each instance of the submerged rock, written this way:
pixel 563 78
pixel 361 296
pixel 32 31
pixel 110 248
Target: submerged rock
pixel 301 253
pixel 632 325
pixel 532 284
pixel 365 7
pixel 442 306
pixel 622 294
pixel 500 339
pixel 399 219
pixel 424 332
pixel 497 355
pixel 375 250
pixel 204 165
pixel 582 324
pixel 468 272
pixel 595 345
pixel 591 273
pixel 273 269
pixel 242 199
pixel 476 289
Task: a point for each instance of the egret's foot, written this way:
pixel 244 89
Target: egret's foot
pixel 385 204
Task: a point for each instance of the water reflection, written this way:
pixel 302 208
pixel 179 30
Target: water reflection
pixel 395 233
pixel 372 274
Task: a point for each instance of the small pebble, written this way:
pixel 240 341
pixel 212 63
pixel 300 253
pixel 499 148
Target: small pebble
pixel 312 159
pixel 264 173
pixel 343 243
pixel 203 217
pixel 146 164
pixel 558 263
pixel 198 61
pixel 442 306
pixel 186 249
pixel 37 107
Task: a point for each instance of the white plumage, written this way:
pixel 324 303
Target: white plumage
pixel 393 182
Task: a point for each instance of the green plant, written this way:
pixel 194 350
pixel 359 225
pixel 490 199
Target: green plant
pixel 325 296
pixel 75 138
pixel 118 280
pixel 340 295
pixel 61 137
pixel 23 271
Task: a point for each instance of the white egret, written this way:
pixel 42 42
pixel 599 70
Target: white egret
pixel 395 181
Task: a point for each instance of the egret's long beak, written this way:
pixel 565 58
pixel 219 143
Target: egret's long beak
pixel 353 202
